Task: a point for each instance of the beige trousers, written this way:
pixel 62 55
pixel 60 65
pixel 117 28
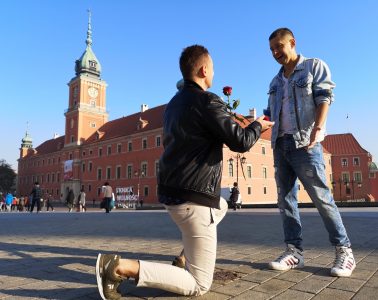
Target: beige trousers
pixel 198 226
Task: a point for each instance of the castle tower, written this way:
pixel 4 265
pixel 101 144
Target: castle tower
pixel 26 144
pixel 87 97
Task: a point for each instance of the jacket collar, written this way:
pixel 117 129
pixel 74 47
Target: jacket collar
pixel 299 66
pixel 191 83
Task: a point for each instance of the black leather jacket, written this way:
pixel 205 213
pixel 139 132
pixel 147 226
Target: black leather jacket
pixel 196 125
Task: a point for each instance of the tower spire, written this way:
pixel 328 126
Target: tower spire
pixel 89 31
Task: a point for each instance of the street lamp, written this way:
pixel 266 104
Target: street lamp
pixel 242 160
pixel 139 174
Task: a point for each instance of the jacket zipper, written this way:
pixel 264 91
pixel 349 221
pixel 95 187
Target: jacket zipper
pixel 296 111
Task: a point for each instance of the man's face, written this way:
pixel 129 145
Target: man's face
pixel 283 49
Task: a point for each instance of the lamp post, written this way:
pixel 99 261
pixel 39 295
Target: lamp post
pixel 139 174
pixel 242 160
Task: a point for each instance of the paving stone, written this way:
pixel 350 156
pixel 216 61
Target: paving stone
pixel 311 285
pixel 293 295
pixel 333 294
pixel 251 294
pixel 236 287
pixel 273 286
pixel 362 274
pixel 366 293
pixel 373 281
pixel 294 275
pixel 347 284
pixel 260 276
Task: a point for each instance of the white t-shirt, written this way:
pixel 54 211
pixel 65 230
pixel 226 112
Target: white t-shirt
pixel 286 123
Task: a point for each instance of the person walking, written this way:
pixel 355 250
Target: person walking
pixel 36 195
pixel 235 194
pixel 70 200
pixel 299 98
pixel 196 125
pixel 49 198
pixel 82 196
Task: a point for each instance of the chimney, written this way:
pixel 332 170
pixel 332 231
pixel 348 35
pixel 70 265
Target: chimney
pixel 253 114
pixel 144 107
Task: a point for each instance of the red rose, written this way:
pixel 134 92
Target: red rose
pixel 227 90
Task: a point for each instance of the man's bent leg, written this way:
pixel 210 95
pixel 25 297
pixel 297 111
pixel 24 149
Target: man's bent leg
pixel 198 228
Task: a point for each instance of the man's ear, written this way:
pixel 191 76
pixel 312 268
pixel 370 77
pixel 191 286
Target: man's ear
pixel 292 42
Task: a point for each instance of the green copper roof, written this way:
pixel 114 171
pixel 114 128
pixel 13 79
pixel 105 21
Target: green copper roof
pixel 88 62
pixel 373 167
pixel 27 141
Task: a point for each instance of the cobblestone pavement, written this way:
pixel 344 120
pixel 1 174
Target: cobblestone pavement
pixel 51 255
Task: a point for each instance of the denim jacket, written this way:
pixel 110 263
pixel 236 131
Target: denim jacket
pixel 310 84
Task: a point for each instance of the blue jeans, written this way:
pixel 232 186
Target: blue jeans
pixel 293 163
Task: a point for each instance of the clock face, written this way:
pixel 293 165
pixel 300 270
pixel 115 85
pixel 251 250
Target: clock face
pixel 93 92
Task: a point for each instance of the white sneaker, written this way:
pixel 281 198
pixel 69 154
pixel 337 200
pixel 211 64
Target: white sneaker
pixel 290 259
pixel 344 263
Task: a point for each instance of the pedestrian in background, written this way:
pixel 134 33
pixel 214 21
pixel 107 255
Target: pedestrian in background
pixel 82 201
pixel 36 196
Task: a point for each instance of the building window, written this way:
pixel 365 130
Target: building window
pixel 57 192
pixel 145 193
pixel 58 177
pixel 90 152
pixel 89 187
pixel 99 189
pixel 158 141
pixel 265 174
pixel 72 138
pixel 144 143
pixel 90 166
pixel 249 190
pixel 93 125
pixel 83 153
pixel 130 146
pixel 357 176
pixel 156 168
pixel 371 174
pixel 119 148
pixel 345 177
pixel 356 161
pixel 108 172
pixel 53 177
pixel 118 172
pixel 99 174
pixel 144 169
pixel 249 171
pixel 83 167
pixel 265 190
pixel 344 162
pixel 230 169
pixel 99 152
pixel 263 150
pixel 129 171
pixel 93 104
pixel 109 151
pixel 70 156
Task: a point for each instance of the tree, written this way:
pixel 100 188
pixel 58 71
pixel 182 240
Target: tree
pixel 7 177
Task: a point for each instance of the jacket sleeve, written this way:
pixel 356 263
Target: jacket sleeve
pixel 322 84
pixel 225 129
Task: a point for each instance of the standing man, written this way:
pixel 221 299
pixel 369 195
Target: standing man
pixel 299 98
pixel 196 125
pixel 107 195
pixel 36 195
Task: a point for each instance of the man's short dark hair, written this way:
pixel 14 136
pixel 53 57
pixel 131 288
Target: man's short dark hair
pixel 36 183
pixel 189 58
pixel 281 32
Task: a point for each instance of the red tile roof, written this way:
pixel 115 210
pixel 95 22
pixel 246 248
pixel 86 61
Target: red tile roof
pixel 342 144
pixel 49 146
pixel 129 125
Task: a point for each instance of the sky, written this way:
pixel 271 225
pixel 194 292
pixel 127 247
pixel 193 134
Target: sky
pixel 138 43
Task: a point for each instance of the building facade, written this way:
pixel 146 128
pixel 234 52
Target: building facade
pixel 125 152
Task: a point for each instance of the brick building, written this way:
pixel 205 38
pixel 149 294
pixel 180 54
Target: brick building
pixel 125 151
pixel 354 175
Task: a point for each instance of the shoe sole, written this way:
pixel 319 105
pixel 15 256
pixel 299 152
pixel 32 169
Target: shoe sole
pixel 278 268
pixel 99 277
